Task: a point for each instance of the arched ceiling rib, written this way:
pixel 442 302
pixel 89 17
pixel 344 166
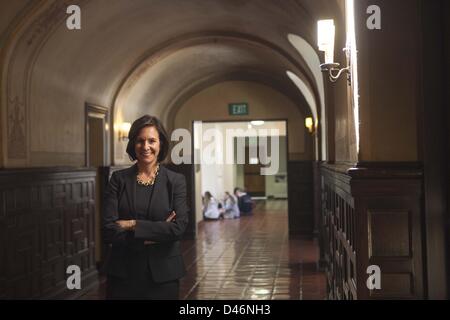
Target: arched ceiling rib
pixel 157 80
pixel 280 84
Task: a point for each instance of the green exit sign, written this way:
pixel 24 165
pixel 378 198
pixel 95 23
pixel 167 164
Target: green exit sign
pixel 238 109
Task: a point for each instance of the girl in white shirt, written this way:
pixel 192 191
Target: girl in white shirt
pixel 210 207
pixel 231 208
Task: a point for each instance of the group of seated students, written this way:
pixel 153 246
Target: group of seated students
pixel 234 205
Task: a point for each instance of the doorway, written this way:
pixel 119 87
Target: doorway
pixel 250 155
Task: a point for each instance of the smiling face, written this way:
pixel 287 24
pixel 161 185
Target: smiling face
pixel 147 145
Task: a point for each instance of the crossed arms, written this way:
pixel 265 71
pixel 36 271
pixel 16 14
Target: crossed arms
pixel 116 230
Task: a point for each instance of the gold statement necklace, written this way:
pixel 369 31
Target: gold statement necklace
pixel 150 181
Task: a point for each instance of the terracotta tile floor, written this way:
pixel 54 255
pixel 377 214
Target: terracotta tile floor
pixel 248 258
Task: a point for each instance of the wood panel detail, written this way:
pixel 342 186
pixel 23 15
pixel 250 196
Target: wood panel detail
pixel 339 236
pixel 372 216
pixel 389 234
pixel 46 224
pixel 300 198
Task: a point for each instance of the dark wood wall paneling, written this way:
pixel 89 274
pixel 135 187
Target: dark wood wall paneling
pixel 317 198
pixel 446 13
pixel 338 235
pixel 372 216
pixel 46 224
pixel 301 198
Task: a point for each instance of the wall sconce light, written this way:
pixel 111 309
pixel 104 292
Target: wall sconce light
pixel 309 124
pixel 124 128
pixel 325 42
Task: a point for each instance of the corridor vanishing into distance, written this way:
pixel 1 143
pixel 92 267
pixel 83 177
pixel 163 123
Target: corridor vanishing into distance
pixel 249 258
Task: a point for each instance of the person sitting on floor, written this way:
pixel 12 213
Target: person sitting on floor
pixel 210 207
pixel 231 208
pixel 245 203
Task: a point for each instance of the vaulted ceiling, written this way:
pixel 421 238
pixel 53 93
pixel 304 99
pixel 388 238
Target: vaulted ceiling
pixel 151 55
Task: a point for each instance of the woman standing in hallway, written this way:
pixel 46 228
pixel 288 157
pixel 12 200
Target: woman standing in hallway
pixel 145 216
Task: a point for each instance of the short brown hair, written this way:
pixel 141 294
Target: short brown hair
pixel 148 121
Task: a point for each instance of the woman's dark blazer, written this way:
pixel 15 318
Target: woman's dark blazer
pixel 128 252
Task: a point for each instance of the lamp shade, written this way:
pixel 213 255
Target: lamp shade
pixel 325 38
pixel 309 123
pixel 124 129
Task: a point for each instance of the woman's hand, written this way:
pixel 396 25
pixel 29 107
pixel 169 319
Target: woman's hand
pixel 170 218
pixel 127 225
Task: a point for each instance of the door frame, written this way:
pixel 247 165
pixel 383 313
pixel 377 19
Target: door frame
pixel 285 120
pixel 95 111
